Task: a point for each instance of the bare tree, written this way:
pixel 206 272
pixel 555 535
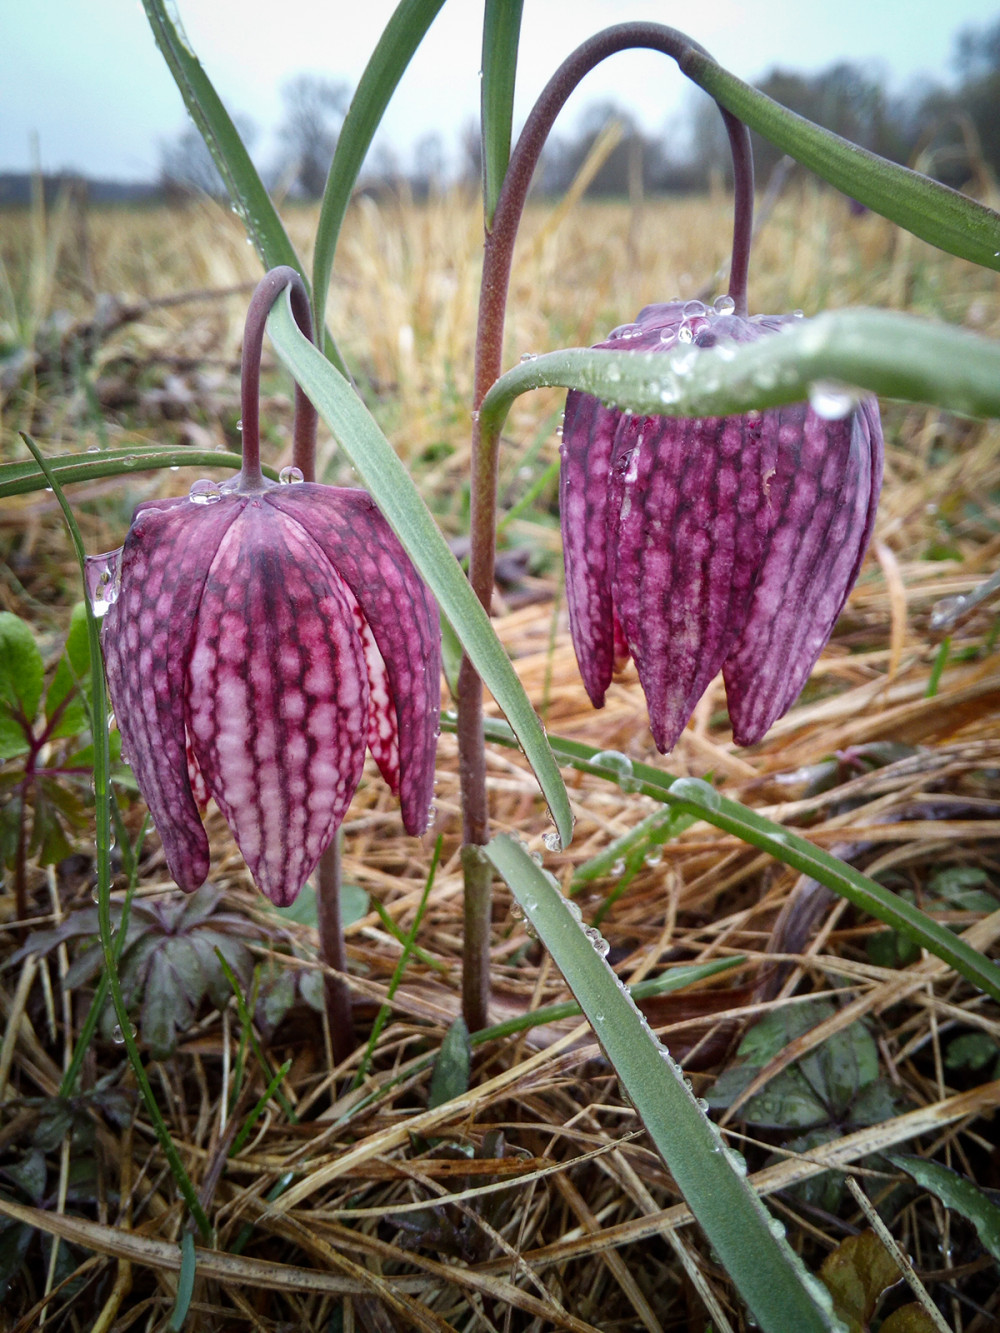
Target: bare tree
pixel 314 112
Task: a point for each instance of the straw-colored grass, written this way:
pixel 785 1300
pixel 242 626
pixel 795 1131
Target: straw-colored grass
pixel 532 1201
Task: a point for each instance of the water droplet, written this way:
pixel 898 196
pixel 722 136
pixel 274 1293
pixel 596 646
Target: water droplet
pixel 653 858
pixel 204 492
pixel 798 314
pixel 724 305
pixel 600 944
pixel 619 764
pixel 693 308
pixel 239 424
pixel 431 814
pixel 175 467
pixel 93 448
pixel 118 1036
pixel 529 356
pixel 685 334
pixel 830 400
pixel 552 841
pixel 697 791
pixel 618 868
pixel 103 580
pixel 289 475
pixel 949 611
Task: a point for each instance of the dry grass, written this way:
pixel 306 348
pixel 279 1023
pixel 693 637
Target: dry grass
pixel 533 1201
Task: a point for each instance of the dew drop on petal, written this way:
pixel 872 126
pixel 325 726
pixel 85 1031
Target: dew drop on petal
pixel 204 492
pixel 103 580
pixel 289 475
pixel 724 305
pixel 693 308
pixel 830 400
pixel 685 334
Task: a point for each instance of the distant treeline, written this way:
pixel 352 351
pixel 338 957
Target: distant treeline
pixel 949 131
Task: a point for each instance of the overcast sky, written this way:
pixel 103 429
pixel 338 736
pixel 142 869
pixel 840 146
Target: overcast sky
pixel 83 79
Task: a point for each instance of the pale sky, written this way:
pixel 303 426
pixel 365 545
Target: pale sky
pixel 83 79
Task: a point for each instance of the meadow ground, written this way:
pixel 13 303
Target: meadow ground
pixel 532 1200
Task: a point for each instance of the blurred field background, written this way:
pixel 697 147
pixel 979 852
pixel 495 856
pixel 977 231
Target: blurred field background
pixel 123 326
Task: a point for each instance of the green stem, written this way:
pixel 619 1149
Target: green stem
pixel 102 802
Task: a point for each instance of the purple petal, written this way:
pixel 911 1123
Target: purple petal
pixel 823 496
pixel 383 727
pixel 584 478
pixel 403 617
pixel 278 696
pixel 146 638
pixel 691 530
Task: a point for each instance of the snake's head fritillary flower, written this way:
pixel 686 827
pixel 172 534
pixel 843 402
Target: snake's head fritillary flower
pixel 257 638
pixel 704 544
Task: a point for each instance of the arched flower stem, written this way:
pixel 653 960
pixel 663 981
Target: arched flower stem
pixel 329 921
pixel 498 254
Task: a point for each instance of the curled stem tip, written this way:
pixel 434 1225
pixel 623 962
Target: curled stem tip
pixel 267 292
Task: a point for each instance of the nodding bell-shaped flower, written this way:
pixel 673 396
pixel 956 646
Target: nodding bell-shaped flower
pixel 255 641
pixel 725 543
pixel 257 636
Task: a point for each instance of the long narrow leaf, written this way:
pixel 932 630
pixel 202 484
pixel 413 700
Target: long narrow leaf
pixel 501 34
pixel 899 356
pixel 394 492
pixel 23 477
pixel 768 1274
pixel 947 219
pixel 779 842
pixel 239 175
pixel 400 38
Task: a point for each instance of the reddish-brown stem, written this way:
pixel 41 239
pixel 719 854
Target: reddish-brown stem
pixel 267 292
pixel 498 254
pixel 329 921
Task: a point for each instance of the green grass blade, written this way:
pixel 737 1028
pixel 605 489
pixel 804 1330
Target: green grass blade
pixel 501 34
pixel 20 478
pixel 956 1192
pixel 239 175
pixel 768 1274
pixel 390 484
pixel 402 35
pixel 102 806
pixel 783 845
pixel 185 1284
pixel 947 219
pixel 899 356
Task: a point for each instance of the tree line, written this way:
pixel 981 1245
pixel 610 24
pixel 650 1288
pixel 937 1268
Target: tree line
pixel 949 132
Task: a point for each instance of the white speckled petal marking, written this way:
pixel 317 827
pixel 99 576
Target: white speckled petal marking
pixel 278 697
pixel 357 541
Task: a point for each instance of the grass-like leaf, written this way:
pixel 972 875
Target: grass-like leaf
pixel 947 219
pixel 399 40
pixel 20 478
pixel 710 805
pixel 956 1192
pixel 246 189
pixel 768 1274
pixel 899 356
pixel 501 34
pixel 390 484
pixel 102 804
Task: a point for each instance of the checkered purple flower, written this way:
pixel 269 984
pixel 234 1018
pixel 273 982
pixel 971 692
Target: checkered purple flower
pixel 256 639
pixel 719 544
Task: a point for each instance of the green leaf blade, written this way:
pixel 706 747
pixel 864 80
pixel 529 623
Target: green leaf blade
pixel 952 221
pixel 769 1276
pixel 22 675
pixel 381 471
pixel 501 36
pixel 250 199
pixel 396 46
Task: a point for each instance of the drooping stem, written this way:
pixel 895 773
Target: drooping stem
pixel 267 292
pixel 329 921
pixel 497 257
